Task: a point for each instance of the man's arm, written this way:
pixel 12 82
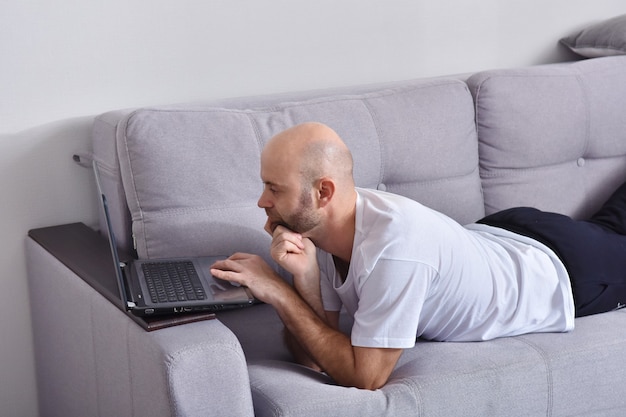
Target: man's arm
pixel 332 350
pixel 308 287
pixel 299 355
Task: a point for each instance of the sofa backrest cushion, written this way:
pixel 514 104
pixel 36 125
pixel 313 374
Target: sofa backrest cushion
pixel 553 136
pixel 190 174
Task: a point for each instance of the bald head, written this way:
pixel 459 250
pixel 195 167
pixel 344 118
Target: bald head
pixel 313 150
pixel 308 187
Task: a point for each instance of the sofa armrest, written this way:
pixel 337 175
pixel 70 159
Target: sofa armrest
pixel 93 359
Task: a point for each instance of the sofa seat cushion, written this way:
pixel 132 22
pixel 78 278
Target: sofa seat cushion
pixel 191 173
pixel 552 374
pixel 547 137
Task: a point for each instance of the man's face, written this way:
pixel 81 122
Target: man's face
pixel 285 200
pixel 299 217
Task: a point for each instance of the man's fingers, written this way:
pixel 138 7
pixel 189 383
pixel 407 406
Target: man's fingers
pixel 292 241
pixel 221 274
pixel 227 269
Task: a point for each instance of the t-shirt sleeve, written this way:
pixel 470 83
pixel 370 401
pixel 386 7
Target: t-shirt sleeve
pixel 390 304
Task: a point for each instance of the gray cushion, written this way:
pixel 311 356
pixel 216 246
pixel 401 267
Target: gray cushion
pixel 547 137
pixel 606 38
pixel 530 375
pixel 191 174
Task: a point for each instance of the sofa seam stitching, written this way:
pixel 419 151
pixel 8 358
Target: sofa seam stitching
pixel 257 133
pixel 164 213
pixel 276 409
pixel 382 92
pixel 174 357
pixel 130 373
pixel 132 180
pixel 95 364
pixel 373 115
pixel 500 172
pixel 549 376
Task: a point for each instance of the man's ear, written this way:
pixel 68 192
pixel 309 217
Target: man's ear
pixel 325 191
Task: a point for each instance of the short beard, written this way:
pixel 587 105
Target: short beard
pixel 304 219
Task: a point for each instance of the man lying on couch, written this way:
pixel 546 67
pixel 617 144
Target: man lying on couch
pixel 405 271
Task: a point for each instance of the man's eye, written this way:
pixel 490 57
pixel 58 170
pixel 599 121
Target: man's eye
pixel 271 188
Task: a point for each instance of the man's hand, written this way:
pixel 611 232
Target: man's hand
pixel 298 255
pixel 293 252
pixel 253 272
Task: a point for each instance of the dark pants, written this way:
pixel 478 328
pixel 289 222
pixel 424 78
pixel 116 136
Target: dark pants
pixel 593 251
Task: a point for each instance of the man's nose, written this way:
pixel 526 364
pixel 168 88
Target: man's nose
pixel 264 201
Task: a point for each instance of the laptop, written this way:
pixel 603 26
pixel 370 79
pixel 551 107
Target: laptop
pixel 170 286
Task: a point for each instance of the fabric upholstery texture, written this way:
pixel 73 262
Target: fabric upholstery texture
pixel 605 38
pixel 117 368
pixel 552 137
pixel 520 376
pixel 191 176
pixel 187 176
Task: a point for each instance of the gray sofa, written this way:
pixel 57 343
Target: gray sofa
pixel 184 180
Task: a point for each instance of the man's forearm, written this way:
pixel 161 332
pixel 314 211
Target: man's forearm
pixel 308 287
pixel 316 334
pixel 299 355
pixel 330 349
pixel 307 328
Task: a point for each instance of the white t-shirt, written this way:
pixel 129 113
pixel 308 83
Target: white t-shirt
pixel 416 273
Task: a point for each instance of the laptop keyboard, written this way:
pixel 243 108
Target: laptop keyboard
pixel 172 281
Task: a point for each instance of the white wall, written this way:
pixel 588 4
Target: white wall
pixel 63 62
